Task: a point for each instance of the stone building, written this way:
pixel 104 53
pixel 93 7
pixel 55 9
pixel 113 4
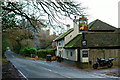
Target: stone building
pixel 83 44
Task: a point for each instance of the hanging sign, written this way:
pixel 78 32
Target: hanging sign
pixel 82 23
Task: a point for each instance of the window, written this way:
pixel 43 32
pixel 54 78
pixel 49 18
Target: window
pixel 59 43
pixel 71 53
pixel 84 53
pixel 67 54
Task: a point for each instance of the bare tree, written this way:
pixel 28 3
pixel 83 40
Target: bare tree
pixel 54 10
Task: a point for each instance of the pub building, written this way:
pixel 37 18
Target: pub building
pixel 83 43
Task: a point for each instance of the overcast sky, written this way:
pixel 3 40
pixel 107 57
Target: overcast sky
pixel 105 10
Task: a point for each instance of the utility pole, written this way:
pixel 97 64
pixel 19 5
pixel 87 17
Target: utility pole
pixel 27 20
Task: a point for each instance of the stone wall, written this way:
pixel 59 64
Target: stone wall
pixel 104 53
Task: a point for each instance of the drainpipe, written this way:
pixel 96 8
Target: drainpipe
pixel 83 36
pixel 104 53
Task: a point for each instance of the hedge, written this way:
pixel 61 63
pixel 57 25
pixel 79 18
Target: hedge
pixel 27 51
pixel 43 52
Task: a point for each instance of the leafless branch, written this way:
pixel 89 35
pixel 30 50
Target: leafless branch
pixel 55 10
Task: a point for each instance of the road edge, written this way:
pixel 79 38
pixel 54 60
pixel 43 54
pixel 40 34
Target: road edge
pixel 20 71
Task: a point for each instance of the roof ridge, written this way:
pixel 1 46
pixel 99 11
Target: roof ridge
pixel 64 34
pixel 91 23
pixel 106 23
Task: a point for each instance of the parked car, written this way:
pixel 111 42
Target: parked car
pixel 8 48
pixel 48 57
pixel 102 62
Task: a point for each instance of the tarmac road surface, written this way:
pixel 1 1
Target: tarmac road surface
pixel 38 69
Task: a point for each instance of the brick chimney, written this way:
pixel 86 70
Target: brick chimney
pixel 75 25
pixel 75 21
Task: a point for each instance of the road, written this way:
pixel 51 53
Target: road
pixel 40 69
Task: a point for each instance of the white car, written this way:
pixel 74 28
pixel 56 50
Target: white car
pixel 8 49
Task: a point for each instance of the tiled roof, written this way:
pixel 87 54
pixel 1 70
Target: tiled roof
pixel 118 30
pixel 96 40
pixel 94 25
pixel 102 39
pixel 72 43
pixel 64 34
pixel 100 25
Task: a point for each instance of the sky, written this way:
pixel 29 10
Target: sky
pixel 105 10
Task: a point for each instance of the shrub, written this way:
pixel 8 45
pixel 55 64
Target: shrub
pixel 27 51
pixel 5 43
pixel 43 52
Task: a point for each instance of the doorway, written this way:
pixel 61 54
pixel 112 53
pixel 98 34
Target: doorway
pixel 78 50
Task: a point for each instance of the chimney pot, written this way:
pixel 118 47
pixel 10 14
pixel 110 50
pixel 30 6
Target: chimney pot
pixel 75 17
pixel 68 27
